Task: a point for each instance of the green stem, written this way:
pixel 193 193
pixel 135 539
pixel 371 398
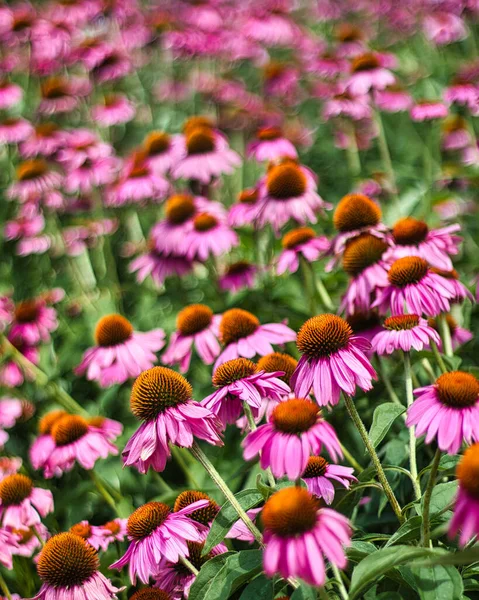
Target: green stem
pixel 323 293
pixel 445 335
pixel 189 565
pixel 438 357
pixel 426 525
pixel 198 453
pixel 352 152
pixel 412 429
pixel 4 588
pixel 342 589
pixel 351 460
pixel 104 492
pixel 374 457
pixel 387 382
pixel 253 427
pixel 308 283
pixel 385 154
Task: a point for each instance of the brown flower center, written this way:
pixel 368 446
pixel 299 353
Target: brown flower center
pixel 277 361
pixel 273 70
pixel 197 122
pixel 48 420
pixel 407 270
pixel 179 208
pixel 297 236
pixel 347 32
pixel 151 594
pixel 112 330
pixel 356 211
pixel 468 470
pixel 156 143
pixel 238 268
pixel 146 519
pixel 450 320
pixel 316 467
pixel 82 530
pixel 295 415
pixel 139 167
pixel 14 489
pixel 157 389
pixel 67 561
pixel 286 181
pixel 113 527
pixel 31 169
pixel 410 231
pixel 27 311
pixel 205 222
pixel 232 370
pixel 193 319
pixel 68 429
pixel 269 133
pixel 458 389
pixel 200 141
pixel 365 62
pixel 24 535
pixel 54 88
pixel 237 323
pixel 248 196
pixel 96 421
pixel 401 322
pixel 202 515
pixel 323 335
pixel 362 252
pixel 362 321
pixel 289 512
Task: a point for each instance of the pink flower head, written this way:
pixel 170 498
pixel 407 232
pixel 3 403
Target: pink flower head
pixel 428 110
pixel 14 130
pixel 299 535
pixel 44 444
pixel 288 192
pixel 392 99
pixel 114 64
pixel 93 534
pixel 159 265
pixel 404 332
pixel 164 151
pixel 367 73
pixel 44 140
pixel 11 375
pixel 412 237
pixel 113 531
pixel 271 28
pixel 459 290
pixel 209 236
pixel 115 109
pixel 239 531
pixel 11 409
pixel 300 243
pixel 465 517
pixel 196 326
pixel 345 104
pixel 243 335
pixel 459 335
pixel 447 410
pixel 21 504
pixel 33 322
pixel 271 145
pixel 415 288
pixel 443 27
pixel 237 381
pixel 61 95
pixel 69 569
pixel 238 276
pixel 157 535
pixel 7 311
pixel 294 431
pixel 120 352
pixel 34 178
pixel 9 466
pixel 463 91
pixel 28 540
pixel 162 399
pixel 82 146
pixel 333 359
pixel 10 94
pixel 8 547
pixel 244 212
pixel 319 476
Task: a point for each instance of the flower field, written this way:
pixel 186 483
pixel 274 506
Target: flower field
pixel 238 285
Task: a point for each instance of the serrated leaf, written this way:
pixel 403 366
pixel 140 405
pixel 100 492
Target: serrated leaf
pixel 384 416
pixel 260 588
pixel 204 579
pixel 438 582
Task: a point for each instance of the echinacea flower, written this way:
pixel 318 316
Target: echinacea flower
pixel 299 535
pixel 157 534
pixel 159 265
pixel 162 399
pixel 8 547
pixel 238 276
pixel 459 335
pixel 295 430
pixel 113 531
pixel 69 569
pixel 245 210
pixel 459 290
pixel 115 109
pixel 428 110
pixel 10 94
pixel 301 242
pixel 44 444
pixel 114 63
pixel 412 237
pixel 465 518
pixel 444 27
pixel 29 540
pixel 447 410
pixel 34 177
pixel 319 476
pixel 367 74
pixel 14 130
pixel 91 533
pixel 243 335
pixel 205 515
pixel 414 287
pixel 61 95
pixel 33 322
pixel 345 104
pixel 270 144
pixel 404 332
pixel 333 359
pixel 163 151
pixel 21 504
pixel 239 380
pixel 209 236
pixel 196 326
pixel 287 192
pixel 11 409
pixel 9 465
pixel 393 99
pixel 120 352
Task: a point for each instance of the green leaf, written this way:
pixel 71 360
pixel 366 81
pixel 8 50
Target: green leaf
pixel 442 496
pixel 384 416
pixel 305 592
pixel 238 569
pixel 260 588
pixel 408 531
pixel 201 585
pixel 466 557
pixel 359 550
pixel 227 516
pixel 438 583
pixel 377 564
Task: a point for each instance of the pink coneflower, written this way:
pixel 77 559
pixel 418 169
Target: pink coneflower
pixel 465 517
pixel 115 109
pixel 9 465
pixel 209 236
pixel 288 192
pixel 8 547
pixel 298 535
pixel 11 375
pixel 90 533
pixel 415 288
pixel 412 237
pixel 270 144
pixel 447 410
pixel 7 311
pixel 367 73
pixel 109 428
pixel 45 139
pixel 21 504
pixel 34 177
pixel 392 99
pixel 162 399
pixel 81 145
pixel 320 474
pixel 196 326
pixel 157 534
pixel 115 64
pixel 120 352
pixel 238 276
pixel 61 95
pixel 243 335
pixel 34 245
pixel 300 243
pixel 159 265
pixel 245 209
pixel 44 444
pixel 428 110
pixel 463 91
pixel 11 409
pixel 344 104
pixel 294 431
pixel 14 130
pixel 239 380
pixel 69 569
pixel 443 27
pixel 114 531
pixel 455 134
pixel 205 516
pixel 459 335
pixel 271 28
pixel 29 540
pixel 404 332
pixel 365 324
pixel 164 151
pixel 10 94
pixel 459 290
pixel 282 80
pixel 208 155
pixel 153 593
pixel 75 440
pixel 33 322
pixel 333 359
pixel 75 13
pixel 29 222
